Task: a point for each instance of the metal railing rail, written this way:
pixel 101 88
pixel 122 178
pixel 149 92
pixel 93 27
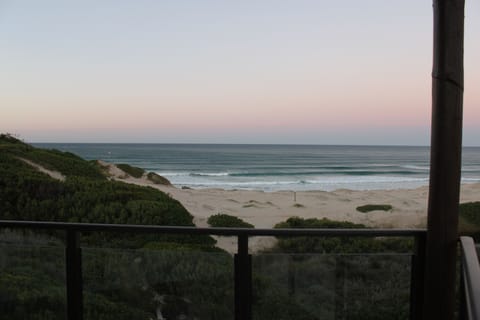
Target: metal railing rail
pixel 470 280
pixel 242 260
pixel 86 227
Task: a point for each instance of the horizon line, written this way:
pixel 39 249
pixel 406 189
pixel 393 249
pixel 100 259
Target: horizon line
pixel 239 144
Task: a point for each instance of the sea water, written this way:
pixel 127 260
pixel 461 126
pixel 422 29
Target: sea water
pixel 278 167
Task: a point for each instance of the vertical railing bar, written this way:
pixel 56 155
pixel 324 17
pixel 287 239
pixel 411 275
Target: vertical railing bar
pixel 340 303
pixel 73 269
pixel 243 280
pixel 413 285
pixel 417 278
pixel 462 314
pixel 237 283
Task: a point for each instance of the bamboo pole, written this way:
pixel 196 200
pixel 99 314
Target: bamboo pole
pixel 445 159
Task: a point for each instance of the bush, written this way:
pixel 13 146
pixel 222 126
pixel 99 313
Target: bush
pixel 342 244
pixel 373 207
pixel 471 212
pixel 133 171
pixel 157 179
pixel 469 220
pixel 226 221
pixel 324 223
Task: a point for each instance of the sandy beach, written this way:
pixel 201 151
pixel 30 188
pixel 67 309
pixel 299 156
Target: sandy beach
pixel 265 209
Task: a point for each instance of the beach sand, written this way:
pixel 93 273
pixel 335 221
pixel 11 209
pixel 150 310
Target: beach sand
pixel 265 209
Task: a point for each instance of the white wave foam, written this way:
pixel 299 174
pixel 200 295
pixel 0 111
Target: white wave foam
pixel 194 174
pixel 414 167
pixel 242 184
pixel 209 174
pixel 322 183
pixel 365 179
pixel 173 174
pixel 470 179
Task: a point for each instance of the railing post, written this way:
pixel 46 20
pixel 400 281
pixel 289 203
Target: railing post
pixel 73 264
pixel 417 278
pixel 243 280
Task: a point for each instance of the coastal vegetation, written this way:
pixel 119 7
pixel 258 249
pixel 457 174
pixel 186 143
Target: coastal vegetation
pixel 135 172
pixel 222 220
pixel 139 173
pixel 471 212
pixel 373 207
pixel 469 219
pixel 86 195
pixel 158 179
pixel 32 268
pixel 332 245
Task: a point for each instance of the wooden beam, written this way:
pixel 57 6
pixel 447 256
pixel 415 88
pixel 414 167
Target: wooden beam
pixel 445 159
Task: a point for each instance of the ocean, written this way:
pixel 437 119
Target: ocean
pixel 277 167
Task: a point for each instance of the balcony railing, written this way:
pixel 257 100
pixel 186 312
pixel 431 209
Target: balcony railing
pixel 310 264
pixel 242 265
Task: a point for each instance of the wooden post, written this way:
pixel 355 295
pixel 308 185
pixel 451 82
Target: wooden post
pixel 445 159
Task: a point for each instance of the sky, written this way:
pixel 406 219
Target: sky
pixel 202 71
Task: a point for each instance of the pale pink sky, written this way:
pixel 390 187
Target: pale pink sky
pixel 206 71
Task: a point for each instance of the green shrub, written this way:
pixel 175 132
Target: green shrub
pixel 157 179
pixel 373 207
pixel 226 221
pixel 469 220
pixel 9 138
pixel 471 212
pixel 321 244
pixel 324 223
pixel 66 163
pixel 133 171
